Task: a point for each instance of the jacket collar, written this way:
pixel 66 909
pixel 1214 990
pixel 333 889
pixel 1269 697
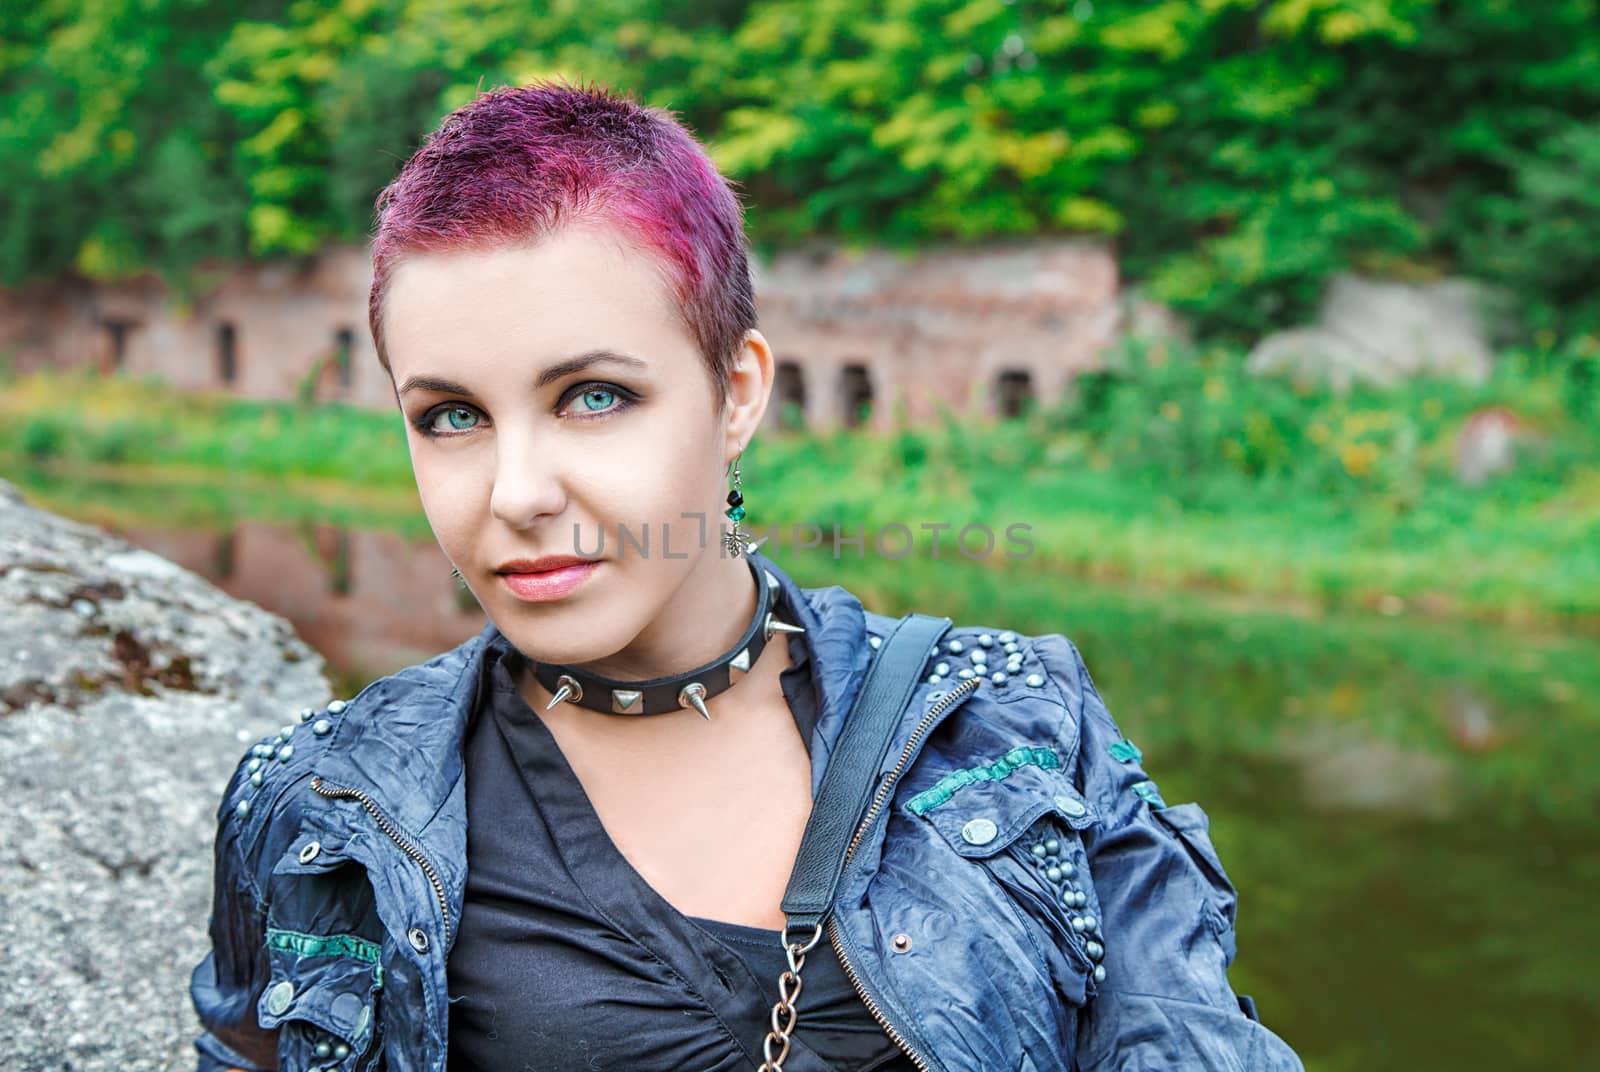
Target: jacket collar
pixel 400 739
pixel 835 638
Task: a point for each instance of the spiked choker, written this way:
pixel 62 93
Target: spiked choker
pixel 686 690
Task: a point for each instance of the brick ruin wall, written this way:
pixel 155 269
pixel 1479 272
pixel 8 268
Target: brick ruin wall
pixel 872 336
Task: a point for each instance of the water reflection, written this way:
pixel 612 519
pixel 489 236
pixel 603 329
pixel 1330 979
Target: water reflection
pixel 1408 809
pixel 369 602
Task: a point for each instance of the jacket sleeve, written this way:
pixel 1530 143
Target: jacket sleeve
pixel 226 985
pixel 1166 916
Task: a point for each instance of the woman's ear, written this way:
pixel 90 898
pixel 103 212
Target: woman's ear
pixel 750 380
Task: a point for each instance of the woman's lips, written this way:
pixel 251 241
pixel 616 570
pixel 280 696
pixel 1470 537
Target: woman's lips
pixel 550 584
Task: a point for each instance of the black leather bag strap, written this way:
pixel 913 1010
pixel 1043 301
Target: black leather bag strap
pixel 854 766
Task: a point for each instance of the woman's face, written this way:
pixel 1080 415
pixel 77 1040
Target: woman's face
pixel 552 394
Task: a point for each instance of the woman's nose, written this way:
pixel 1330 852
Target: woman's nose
pixel 527 483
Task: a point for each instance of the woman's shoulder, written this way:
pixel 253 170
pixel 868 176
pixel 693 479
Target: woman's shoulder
pixel 267 790
pixel 1014 662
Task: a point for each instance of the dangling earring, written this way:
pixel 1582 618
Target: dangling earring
pixel 462 581
pixel 736 543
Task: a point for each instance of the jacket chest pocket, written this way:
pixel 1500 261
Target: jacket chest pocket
pixel 325 952
pixel 1025 829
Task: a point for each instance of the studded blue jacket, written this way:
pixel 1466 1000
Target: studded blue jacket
pixel 1048 911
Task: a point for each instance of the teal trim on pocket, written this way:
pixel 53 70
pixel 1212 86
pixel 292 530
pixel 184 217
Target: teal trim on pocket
pixel 1125 751
pixel 945 788
pixel 1148 792
pixel 326 945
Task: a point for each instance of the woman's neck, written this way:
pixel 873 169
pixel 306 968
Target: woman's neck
pixel 703 620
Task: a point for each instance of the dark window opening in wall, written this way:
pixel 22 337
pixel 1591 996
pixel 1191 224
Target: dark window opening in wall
pixel 344 341
pixel 855 395
pixel 118 330
pixel 1014 392
pixel 790 390
pixel 339 581
pixel 224 556
pixel 227 352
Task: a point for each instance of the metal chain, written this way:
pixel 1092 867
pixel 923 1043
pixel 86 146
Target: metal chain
pixel 784 1013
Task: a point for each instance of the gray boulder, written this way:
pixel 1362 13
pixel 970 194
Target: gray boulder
pixel 129 690
pixel 1383 333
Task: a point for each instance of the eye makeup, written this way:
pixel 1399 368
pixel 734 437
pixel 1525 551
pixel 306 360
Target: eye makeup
pixel 427 423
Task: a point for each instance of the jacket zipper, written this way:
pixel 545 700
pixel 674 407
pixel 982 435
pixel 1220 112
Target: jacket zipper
pixel 335 792
pixel 945 702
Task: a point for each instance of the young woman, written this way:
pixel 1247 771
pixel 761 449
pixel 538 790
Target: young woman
pixel 565 843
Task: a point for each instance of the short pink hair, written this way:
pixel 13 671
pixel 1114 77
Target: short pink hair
pixel 516 164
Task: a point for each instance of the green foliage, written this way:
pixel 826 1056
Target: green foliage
pixel 113 154
pixel 1238 151
pixel 1546 230
pixel 41 438
pixel 92 421
pixel 1176 468
pixel 1195 430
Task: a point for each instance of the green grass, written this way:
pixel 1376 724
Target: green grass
pixel 89 420
pixel 1166 471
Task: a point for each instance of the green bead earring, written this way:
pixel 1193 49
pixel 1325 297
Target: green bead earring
pixel 737 542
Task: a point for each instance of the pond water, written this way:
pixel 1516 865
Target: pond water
pixel 1407 808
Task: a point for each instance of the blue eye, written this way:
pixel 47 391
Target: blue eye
pixel 599 400
pixel 458 419
pixel 595 400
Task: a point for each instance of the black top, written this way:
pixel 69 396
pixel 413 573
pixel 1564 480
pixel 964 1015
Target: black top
pixel 566 958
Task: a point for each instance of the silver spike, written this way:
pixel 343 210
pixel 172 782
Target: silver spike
pixel 775 626
pixel 693 695
pixel 739 665
pixel 567 688
pixel 626 701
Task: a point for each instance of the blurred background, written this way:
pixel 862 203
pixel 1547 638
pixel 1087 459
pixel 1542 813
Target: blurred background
pixel 1277 322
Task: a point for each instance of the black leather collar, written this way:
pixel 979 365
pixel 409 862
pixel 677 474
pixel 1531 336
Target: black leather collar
pixel 675 692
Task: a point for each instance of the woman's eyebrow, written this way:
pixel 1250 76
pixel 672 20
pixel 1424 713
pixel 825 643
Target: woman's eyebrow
pixel 548 376
pixel 583 361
